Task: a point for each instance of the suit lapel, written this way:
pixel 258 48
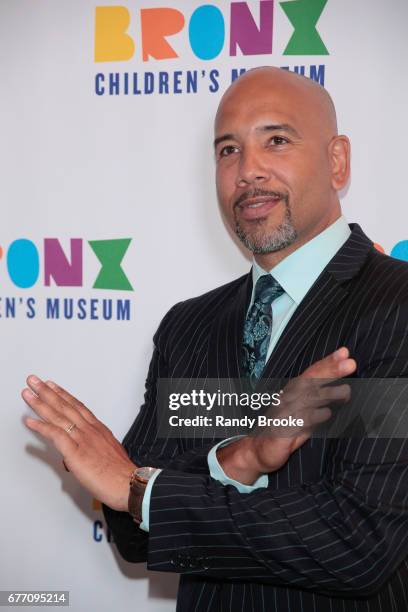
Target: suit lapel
pixel 226 333
pixel 315 308
pixel 331 287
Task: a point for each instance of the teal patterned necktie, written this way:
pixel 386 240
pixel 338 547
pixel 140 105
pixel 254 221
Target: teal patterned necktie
pixel 258 327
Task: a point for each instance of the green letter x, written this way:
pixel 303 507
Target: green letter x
pixel 304 15
pixel 110 253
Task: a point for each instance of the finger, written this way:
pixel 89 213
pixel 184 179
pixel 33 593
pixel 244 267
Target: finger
pixel 312 418
pixel 335 394
pixel 303 386
pixel 51 407
pixel 73 401
pixel 319 416
pixel 336 365
pixel 49 414
pixel 87 414
pixel 320 396
pixel 305 423
pixel 61 440
pixel 58 420
pixel 302 396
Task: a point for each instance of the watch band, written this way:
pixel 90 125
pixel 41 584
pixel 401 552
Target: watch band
pixel 137 487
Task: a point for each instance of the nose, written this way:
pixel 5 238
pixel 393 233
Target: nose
pixel 252 169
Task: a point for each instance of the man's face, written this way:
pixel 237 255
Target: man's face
pixel 273 173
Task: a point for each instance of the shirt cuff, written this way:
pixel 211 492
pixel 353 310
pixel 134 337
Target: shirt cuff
pixel 146 502
pixel 218 473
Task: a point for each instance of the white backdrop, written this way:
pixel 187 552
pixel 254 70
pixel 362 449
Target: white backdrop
pixel 75 164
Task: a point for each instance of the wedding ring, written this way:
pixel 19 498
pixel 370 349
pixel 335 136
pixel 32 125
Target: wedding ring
pixel 70 428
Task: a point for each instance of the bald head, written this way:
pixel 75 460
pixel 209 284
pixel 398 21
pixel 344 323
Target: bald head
pixel 280 161
pixel 274 84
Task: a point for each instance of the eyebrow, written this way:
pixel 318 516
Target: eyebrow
pixel 282 127
pixel 223 138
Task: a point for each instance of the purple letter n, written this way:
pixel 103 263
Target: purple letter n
pixel 244 31
pixel 56 265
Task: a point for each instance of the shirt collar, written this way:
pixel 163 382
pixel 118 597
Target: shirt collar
pixel 299 270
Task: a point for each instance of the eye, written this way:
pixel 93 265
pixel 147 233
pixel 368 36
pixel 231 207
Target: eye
pixel 278 140
pixel 227 150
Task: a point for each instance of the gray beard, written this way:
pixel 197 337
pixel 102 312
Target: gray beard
pixel 260 243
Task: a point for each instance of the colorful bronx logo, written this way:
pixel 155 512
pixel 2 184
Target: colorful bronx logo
pixel 23 267
pixel 164 30
pixel 206 31
pixel 23 263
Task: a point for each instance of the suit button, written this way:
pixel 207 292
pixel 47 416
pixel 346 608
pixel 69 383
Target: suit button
pixel 205 564
pixel 177 560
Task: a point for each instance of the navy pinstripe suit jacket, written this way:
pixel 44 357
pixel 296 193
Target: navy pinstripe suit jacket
pixel 330 533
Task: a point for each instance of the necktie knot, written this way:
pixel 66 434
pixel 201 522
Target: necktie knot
pixel 267 289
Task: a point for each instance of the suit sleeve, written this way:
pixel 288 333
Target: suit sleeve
pixel 343 535
pixel 216 472
pixel 145 448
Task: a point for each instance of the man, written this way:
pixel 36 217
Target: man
pixel 265 523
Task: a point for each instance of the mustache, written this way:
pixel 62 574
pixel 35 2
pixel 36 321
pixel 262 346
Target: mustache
pixel 255 193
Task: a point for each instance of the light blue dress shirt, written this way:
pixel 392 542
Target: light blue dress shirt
pixel 296 275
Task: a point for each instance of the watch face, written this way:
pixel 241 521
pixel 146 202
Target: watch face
pixel 145 472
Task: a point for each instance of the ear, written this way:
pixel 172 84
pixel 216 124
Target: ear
pixel 339 158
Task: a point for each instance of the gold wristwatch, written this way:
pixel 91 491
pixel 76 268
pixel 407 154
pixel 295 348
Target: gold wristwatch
pixel 137 486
